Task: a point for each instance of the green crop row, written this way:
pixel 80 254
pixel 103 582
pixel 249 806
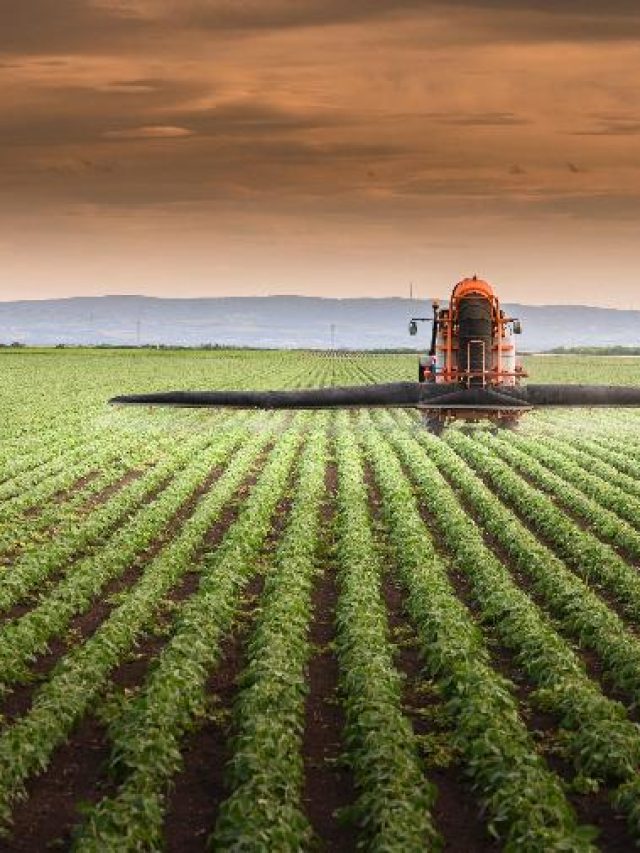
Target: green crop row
pixel 524 801
pixel 603 743
pixel 50 474
pixel 592 559
pixel 394 798
pixel 27 745
pixel 79 487
pixel 602 505
pixel 23 639
pixel 30 531
pixel 613 466
pixel 266 774
pixel 575 606
pixel 24 470
pixel 147 734
pixel 31 569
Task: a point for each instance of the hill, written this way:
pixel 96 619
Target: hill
pixel 285 321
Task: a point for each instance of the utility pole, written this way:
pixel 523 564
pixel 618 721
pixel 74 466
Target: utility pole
pixel 138 332
pixel 411 291
pixel 332 328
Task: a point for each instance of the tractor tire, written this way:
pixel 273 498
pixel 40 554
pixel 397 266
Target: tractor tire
pixel 434 425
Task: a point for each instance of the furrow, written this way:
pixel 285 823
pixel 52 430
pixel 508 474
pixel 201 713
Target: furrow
pixel 147 735
pixel 524 802
pixel 590 558
pixel 27 745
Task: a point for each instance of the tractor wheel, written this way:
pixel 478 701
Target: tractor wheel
pixel 434 425
pixel 509 424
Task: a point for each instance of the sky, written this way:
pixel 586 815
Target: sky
pixel 320 147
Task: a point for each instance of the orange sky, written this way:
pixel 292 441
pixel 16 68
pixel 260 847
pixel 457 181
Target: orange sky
pixel 209 147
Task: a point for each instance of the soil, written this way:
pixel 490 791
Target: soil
pixel 78 770
pixel 329 783
pixel 591 809
pixel 200 788
pixel 610 599
pixel 456 812
pixel 45 820
pixel 50 812
pixel 31 599
pixel 107 492
pixel 86 624
pixel 590 658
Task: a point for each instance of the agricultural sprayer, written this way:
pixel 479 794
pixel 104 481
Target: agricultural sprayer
pixel 471 372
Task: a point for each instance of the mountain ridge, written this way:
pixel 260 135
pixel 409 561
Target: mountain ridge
pixel 286 321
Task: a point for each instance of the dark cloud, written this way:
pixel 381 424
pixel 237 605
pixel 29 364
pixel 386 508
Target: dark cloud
pixel 257 118
pixel 85 114
pixel 78 166
pixel 612 127
pixel 604 207
pixel 495 119
pixel 76 114
pixel 527 20
pixel 278 14
pixel 34 27
pixel 48 26
pixel 285 14
pixel 268 116
pixel 554 7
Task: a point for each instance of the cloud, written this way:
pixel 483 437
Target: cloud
pixel 133 87
pixel 39 27
pixel 44 26
pixel 149 132
pixel 488 119
pixel 321 119
pixel 253 117
pixel 612 127
pixel 606 207
pixel 279 14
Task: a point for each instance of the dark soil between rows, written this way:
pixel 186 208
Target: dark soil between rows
pixel 456 812
pixel 81 762
pixel 31 599
pixel 577 519
pixel 198 791
pixel 591 809
pixel 84 625
pixel 46 818
pixel 329 785
pixel 610 598
pixel 590 658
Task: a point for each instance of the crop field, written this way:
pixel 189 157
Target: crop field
pixel 283 631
